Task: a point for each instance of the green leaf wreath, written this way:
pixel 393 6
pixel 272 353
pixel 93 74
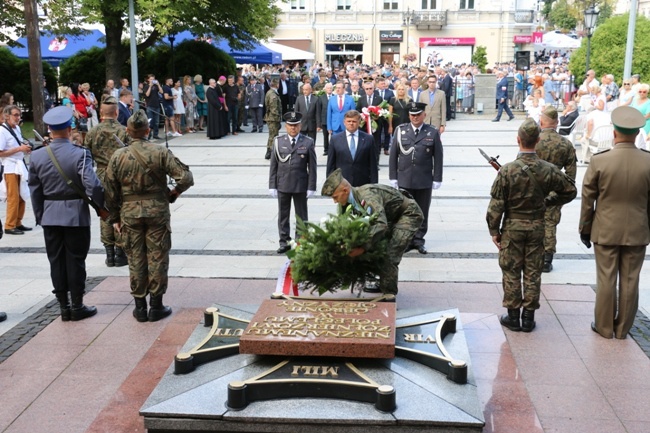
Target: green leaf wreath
pixel 320 260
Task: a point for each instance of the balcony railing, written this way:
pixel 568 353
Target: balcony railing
pixel 524 16
pixel 430 19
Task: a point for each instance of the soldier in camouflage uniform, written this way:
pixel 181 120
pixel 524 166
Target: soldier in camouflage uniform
pixel 138 201
pixel 242 117
pixel 102 144
pixel 515 218
pixel 399 217
pixel 559 151
pixel 273 116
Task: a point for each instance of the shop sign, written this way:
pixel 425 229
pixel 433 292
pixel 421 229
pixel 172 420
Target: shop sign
pixel 424 42
pixel 344 37
pixel 523 39
pixel 391 35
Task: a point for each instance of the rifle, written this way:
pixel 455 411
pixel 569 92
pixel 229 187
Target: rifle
pixel 491 160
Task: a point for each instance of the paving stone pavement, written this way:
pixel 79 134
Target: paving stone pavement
pixel 226 225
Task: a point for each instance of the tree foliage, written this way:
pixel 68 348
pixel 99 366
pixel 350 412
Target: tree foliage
pixel 563 16
pixel 608 49
pixel 480 57
pixel 15 78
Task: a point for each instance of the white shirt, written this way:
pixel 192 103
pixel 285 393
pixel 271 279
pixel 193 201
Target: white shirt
pixel 13 162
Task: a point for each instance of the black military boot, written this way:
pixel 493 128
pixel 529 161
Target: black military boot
pixel 140 310
pixel 120 257
pixel 527 320
pixel 110 256
pixel 79 310
pixel 548 262
pixel 64 303
pixel 158 310
pixel 511 320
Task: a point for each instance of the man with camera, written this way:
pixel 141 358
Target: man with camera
pixel 152 98
pixel 13 148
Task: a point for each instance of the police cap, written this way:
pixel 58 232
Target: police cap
pixel 416 108
pixel 292 118
pixel 627 120
pixel 58 118
pixel 332 182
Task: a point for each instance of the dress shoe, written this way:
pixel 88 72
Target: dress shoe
pixel 15 231
pixel 593 328
pixel 421 249
pixel 510 118
pixel 386 152
pixel 23 228
pixel 495 120
pixel 410 248
pixel 155 137
pixel 325 153
pixel 240 130
pixel 283 249
pixel 254 130
pixel 3 316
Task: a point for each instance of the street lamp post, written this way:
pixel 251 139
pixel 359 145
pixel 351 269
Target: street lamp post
pixel 408 18
pixel 172 38
pixel 591 16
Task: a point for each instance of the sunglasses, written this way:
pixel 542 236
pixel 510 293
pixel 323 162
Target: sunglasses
pixel 643 91
pixel 626 84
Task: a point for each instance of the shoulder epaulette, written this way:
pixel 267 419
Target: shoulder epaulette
pixel 601 152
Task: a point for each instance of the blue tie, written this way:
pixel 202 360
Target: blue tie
pixel 353 146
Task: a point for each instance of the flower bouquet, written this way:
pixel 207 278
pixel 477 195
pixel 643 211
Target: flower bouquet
pixel 319 93
pixel 320 259
pixel 370 115
pixel 411 57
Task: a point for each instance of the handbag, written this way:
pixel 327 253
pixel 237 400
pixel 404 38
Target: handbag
pixel 83 124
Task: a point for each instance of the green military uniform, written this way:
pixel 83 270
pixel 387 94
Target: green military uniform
pixel 141 204
pixel 273 116
pixel 242 103
pixel 516 212
pixel 102 144
pixel 399 217
pixel 559 151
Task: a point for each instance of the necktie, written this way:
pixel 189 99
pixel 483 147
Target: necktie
pixel 308 102
pixel 382 94
pixel 417 131
pixel 431 94
pixel 340 103
pixel 353 146
pixel 293 142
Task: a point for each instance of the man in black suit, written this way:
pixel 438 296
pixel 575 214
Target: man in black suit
pixel 124 106
pixel 568 117
pixel 371 98
pixel 353 151
pixel 446 85
pixel 283 91
pixel 307 105
pixel 382 125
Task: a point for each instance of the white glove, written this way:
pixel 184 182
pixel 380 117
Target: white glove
pixel 437 185
pixel 246 107
pixel 261 105
pixel 310 194
pixel 273 193
pixel 393 183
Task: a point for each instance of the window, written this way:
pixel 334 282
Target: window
pixel 428 4
pixel 388 5
pixel 297 4
pixel 344 5
pixel 466 4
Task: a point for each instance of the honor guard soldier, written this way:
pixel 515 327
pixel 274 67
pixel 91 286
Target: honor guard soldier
pixel 101 142
pixel 614 216
pixel 415 164
pixel 138 199
pixel 63 212
pixel 559 151
pixel 292 175
pixel 399 217
pixel 515 218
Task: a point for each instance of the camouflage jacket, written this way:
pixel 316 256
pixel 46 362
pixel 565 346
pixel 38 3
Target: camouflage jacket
pixel 273 106
pixel 517 202
pixel 127 181
pixel 558 150
pixel 102 144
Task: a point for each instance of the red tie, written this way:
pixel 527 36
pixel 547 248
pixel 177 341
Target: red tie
pixel 340 103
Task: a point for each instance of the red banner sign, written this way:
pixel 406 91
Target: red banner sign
pixel 424 42
pixel 538 37
pixel 523 39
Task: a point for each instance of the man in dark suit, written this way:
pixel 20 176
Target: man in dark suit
pixel 415 164
pixel 321 115
pixel 371 98
pixel 415 90
pixel 382 125
pixel 502 97
pixel 283 91
pixel 447 86
pixel 292 175
pixel 307 105
pixel 353 151
pixel 568 117
pixel 124 106
pixel 614 216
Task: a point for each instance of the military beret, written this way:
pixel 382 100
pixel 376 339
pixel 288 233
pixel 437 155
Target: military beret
pixel 138 120
pixel 110 100
pixel 332 182
pixel 530 128
pixel 416 107
pixel 58 118
pixel 627 120
pixel 550 112
pixel 292 118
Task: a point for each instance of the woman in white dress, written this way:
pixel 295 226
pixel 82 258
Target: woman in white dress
pixel 599 115
pixel 179 108
pixel 626 95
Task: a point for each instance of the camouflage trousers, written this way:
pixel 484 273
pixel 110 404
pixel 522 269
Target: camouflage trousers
pixel 108 234
pixel 400 237
pixel 551 220
pixel 522 252
pixel 274 131
pixel 147 242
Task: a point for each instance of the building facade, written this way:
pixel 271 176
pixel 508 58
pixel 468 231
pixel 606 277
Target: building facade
pixel 374 31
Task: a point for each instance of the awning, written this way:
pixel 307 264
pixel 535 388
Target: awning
pixel 259 54
pixel 289 53
pixel 55 49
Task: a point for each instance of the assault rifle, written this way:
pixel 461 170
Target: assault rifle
pixel 491 160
